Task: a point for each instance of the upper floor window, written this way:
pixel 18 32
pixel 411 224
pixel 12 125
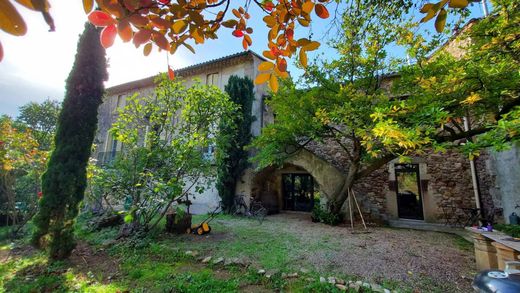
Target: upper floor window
pixel 212 79
pixel 120 101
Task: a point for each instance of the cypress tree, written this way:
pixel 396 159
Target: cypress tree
pixel 236 134
pixel 64 182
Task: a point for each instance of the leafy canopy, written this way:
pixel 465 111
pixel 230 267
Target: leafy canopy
pixel 170 24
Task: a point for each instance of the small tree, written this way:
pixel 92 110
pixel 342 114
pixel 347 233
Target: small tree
pixel 235 135
pixel 42 119
pixel 165 139
pixel 64 181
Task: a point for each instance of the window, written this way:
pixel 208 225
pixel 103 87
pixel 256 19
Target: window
pixel 212 79
pixel 120 101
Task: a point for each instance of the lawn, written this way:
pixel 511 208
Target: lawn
pixel 294 253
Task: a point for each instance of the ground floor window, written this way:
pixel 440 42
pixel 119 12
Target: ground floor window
pixel 409 197
pixel 298 192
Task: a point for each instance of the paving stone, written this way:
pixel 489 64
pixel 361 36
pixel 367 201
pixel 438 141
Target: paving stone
pixel 340 281
pixel 207 259
pixel 331 280
pixel 261 272
pixel 341 287
pixel 218 260
pixel 323 280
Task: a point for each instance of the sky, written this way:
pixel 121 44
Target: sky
pixel 36 65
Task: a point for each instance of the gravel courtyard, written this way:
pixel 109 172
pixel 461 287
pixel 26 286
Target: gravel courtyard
pixel 421 260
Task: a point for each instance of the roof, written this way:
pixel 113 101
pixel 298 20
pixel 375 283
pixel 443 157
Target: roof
pixel 187 71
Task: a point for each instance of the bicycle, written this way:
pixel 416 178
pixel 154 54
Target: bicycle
pixel 256 210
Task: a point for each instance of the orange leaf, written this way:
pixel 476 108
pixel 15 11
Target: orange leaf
pixel 1 52
pixel 161 41
pixel 10 20
pixel 248 40
pixel 244 44
pixel 266 65
pixel 138 20
pixel 308 6
pixel 147 49
pixel 142 36
pixel 321 11
pixel 131 5
pixel 160 23
pixel 262 78
pixel 108 35
pixel 268 55
pixel 100 18
pixel 125 31
pixel 281 64
pixel 88 5
pixel 171 73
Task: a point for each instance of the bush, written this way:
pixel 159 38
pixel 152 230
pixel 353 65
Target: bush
pixel 319 214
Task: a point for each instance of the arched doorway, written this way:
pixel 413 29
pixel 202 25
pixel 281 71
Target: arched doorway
pixel 286 188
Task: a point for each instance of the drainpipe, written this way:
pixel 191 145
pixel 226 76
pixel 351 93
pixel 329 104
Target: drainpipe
pixel 484 8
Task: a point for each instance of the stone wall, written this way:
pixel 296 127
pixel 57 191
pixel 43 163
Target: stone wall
pixel 445 182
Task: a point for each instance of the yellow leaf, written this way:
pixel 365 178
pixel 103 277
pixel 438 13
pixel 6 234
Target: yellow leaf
pixel 429 15
pixel 179 26
pixel 273 83
pixel 262 78
pixel 303 58
pixel 147 49
pixel 88 5
pixel 10 20
pixel 264 66
pixel 269 20
pixel 229 23
pixel 440 21
pixel 311 46
pixel 189 47
pixel 303 22
pixel 458 3
pixel 427 7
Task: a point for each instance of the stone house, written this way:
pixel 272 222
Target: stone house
pixel 215 72
pixel 426 189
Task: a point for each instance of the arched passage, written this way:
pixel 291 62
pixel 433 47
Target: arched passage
pixel 287 187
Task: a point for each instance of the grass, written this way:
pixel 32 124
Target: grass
pixel 161 264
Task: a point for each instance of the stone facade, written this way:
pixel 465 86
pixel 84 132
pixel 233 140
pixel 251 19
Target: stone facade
pixel 215 72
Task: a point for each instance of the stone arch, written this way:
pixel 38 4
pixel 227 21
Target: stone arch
pixel 267 183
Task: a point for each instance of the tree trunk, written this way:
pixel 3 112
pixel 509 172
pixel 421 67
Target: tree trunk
pixel 339 198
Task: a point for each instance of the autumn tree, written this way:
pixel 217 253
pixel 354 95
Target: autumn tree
pixel 419 109
pixel 234 136
pixel 64 181
pixel 170 24
pixel 42 119
pixel 20 160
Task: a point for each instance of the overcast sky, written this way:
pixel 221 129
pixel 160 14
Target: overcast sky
pixel 36 65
